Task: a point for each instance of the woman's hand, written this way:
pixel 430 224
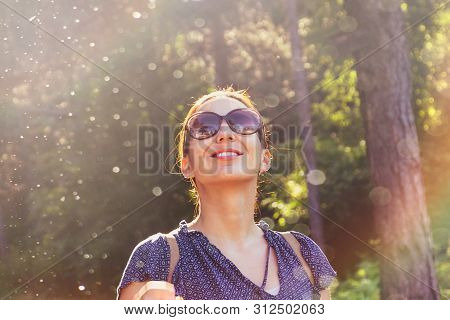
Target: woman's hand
pixel 156 294
pixel 157 290
pixel 325 294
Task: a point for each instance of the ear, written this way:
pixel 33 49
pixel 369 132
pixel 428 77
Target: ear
pixel 186 168
pixel 266 161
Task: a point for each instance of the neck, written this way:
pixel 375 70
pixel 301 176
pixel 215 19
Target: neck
pixel 226 210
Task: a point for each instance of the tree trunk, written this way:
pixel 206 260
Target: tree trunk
pixel 400 212
pixel 300 88
pixel 219 47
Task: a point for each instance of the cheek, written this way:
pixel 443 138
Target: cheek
pixel 197 152
pixel 254 150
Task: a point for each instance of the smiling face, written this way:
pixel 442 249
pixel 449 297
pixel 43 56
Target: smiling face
pixel 245 160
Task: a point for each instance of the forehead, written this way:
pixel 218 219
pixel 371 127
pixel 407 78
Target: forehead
pixel 221 105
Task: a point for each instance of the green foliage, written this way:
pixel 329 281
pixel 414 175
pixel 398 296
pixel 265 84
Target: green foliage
pixel 68 138
pixel 362 284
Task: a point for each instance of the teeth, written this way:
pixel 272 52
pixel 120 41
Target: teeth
pixel 226 154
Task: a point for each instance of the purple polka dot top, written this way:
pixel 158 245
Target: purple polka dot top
pixel 204 273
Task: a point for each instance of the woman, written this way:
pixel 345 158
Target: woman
pixel 223 254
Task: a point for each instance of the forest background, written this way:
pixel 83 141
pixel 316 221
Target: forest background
pixel 84 84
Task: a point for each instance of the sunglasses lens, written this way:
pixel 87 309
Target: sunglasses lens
pixel 244 121
pixel 203 125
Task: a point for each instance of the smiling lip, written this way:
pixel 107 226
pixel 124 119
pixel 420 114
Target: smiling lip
pixel 227 154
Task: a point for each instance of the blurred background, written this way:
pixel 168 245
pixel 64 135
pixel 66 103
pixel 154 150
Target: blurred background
pixel 370 79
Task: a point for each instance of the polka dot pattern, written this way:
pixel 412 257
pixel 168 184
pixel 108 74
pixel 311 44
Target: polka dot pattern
pixel 204 273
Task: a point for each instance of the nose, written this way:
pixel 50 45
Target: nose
pixel 225 133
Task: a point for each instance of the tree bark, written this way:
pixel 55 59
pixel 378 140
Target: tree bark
pixel 219 47
pixel 400 212
pixel 300 88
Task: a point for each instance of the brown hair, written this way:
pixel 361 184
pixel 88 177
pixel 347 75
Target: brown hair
pixel 240 95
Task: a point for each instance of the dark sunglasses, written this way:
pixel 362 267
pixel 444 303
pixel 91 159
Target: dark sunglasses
pixel 206 124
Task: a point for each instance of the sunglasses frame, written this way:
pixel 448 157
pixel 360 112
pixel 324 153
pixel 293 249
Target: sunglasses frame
pixel 259 130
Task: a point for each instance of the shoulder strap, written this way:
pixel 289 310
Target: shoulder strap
pixel 296 248
pixel 174 255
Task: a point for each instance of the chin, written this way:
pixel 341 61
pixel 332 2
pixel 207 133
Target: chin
pixel 225 177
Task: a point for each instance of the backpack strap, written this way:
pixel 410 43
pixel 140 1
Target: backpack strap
pixel 174 254
pixel 295 245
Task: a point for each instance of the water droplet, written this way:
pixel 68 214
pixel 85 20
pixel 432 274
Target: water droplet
pixel 178 74
pixel 115 90
pixel 92 118
pixel 105 59
pixel 81 288
pixel 199 22
pixel 92 44
pixel 157 191
pixel 316 177
pixel 62 199
pixel 116 169
pixel 151 66
pixel 271 100
pixel 106 78
pixel 136 14
pixel 116 116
